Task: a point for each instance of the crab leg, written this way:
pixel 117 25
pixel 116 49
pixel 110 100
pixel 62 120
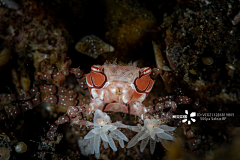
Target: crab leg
pixel 195 104
pixel 198 107
pixel 172 101
pixel 11 112
pixel 166 77
pixel 48 89
pixel 57 95
pixel 192 142
pixel 60 76
pixel 5 98
pixel 168 104
pixel 75 114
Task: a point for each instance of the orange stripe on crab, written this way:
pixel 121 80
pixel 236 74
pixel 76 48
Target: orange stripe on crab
pixel 98 79
pixel 145 71
pixel 139 96
pixel 96 68
pixel 142 83
pixel 89 80
pixel 149 88
pixel 95 80
pixel 116 107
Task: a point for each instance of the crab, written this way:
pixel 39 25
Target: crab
pixel 115 88
pixel 119 88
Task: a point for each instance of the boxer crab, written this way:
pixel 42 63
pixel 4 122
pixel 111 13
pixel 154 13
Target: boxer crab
pixel 116 88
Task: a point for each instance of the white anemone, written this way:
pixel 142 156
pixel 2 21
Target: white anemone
pixel 152 131
pixel 105 130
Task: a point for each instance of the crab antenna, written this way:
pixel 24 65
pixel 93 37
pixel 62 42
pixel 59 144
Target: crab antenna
pixel 135 63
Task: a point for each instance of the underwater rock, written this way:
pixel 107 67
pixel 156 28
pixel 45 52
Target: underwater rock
pixel 21 147
pixel 93 46
pixel 236 19
pixel 159 55
pixel 196 50
pixel 10 4
pixel 5 55
pixel 207 60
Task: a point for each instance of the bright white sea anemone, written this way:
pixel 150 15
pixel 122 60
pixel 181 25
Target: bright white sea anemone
pixel 103 130
pixel 153 131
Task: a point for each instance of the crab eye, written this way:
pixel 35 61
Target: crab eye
pixel 145 71
pixel 96 68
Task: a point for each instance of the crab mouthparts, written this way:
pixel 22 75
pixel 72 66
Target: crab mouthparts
pixel 119 91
